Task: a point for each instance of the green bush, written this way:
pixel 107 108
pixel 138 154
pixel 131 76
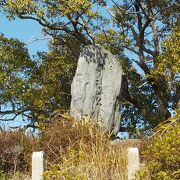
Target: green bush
pixel 162 152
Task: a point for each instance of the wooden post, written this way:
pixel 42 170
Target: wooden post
pixel 37 165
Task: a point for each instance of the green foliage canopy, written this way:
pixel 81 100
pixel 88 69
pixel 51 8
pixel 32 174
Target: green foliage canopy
pixel 35 88
pixel 131 30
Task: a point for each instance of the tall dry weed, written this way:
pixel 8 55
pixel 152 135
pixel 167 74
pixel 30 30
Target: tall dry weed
pixel 81 150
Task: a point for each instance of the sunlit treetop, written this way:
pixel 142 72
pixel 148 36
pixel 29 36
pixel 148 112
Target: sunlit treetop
pixel 74 17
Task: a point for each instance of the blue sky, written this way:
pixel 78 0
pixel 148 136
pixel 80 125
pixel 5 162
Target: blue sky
pixel 24 30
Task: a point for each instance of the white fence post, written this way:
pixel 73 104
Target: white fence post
pixel 133 162
pixel 37 165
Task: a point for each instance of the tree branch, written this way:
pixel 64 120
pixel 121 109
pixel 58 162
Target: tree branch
pixel 134 101
pixel 78 35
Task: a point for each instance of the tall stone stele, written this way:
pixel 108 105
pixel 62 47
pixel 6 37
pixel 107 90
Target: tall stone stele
pixel 96 88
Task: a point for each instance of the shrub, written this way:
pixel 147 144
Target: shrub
pixel 16 176
pixel 15 151
pixel 162 152
pixel 81 150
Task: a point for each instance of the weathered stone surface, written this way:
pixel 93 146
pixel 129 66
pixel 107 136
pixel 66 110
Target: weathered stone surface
pixel 96 88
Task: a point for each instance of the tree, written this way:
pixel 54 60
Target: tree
pixel 137 26
pixel 15 68
pixel 138 22
pixel 169 66
pixel 35 88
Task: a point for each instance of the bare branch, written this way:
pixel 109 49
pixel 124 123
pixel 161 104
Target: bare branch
pixel 148 51
pixel 46 24
pixel 35 39
pixel 120 20
pixel 130 49
pixel 134 101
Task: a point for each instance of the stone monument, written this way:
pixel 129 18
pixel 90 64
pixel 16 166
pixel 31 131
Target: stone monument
pixel 96 88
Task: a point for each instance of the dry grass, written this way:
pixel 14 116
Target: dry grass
pixel 81 150
pixel 73 150
pixel 19 176
pixel 15 155
pixel 12 151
